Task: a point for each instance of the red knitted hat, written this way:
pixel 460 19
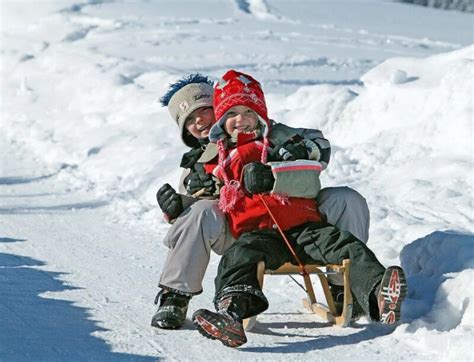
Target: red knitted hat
pixel 238 89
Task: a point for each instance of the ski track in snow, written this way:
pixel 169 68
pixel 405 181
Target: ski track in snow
pixel 80 237
pixel 257 8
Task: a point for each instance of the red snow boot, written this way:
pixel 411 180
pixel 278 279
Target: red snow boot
pixel 220 325
pixel 391 293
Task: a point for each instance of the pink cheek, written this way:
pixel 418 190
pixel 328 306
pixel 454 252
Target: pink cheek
pixel 228 128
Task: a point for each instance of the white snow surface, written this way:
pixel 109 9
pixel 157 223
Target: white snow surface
pixel 84 146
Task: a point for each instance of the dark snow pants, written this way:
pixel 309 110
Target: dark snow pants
pixel 319 243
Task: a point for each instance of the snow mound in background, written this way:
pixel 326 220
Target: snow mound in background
pixel 426 98
pixel 403 139
pixel 440 270
pixel 319 106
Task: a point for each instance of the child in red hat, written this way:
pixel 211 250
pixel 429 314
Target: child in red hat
pixel 241 133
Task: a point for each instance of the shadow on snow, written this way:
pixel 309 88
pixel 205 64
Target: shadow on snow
pixel 10 240
pixel 53 209
pixel 35 328
pixel 23 180
pixel 368 332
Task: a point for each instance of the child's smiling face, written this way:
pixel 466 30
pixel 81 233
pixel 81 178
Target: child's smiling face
pixel 240 119
pixel 199 123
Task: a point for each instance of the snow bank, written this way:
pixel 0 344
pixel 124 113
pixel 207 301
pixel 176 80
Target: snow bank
pixel 440 270
pixel 419 99
pixel 462 5
pixel 98 124
pixel 410 133
pixel 433 260
pixel 403 139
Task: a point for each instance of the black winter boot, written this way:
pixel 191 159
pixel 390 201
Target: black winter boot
pixel 224 325
pixel 337 292
pixel 172 310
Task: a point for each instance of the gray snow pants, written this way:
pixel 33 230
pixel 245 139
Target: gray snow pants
pixel 203 227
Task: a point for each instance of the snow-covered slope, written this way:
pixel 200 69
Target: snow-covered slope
pixel 85 145
pixel 462 5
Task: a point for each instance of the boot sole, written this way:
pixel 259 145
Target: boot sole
pixel 167 326
pixel 209 330
pixel 392 294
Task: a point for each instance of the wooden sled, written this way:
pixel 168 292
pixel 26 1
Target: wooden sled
pixel 326 312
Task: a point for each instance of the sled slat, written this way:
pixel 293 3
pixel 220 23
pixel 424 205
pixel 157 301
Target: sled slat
pixel 327 312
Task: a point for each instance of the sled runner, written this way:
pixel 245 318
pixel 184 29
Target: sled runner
pixel 327 312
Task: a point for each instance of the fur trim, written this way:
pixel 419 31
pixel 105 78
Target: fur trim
pixel 174 87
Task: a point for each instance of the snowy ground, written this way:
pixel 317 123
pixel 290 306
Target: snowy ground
pixel 84 146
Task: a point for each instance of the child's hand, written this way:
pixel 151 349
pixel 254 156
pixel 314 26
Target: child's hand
pixel 257 178
pixel 293 149
pixel 200 180
pixel 170 202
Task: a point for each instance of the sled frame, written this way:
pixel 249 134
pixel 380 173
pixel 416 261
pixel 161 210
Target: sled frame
pixel 326 312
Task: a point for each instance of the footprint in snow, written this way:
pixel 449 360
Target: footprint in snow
pixel 78 34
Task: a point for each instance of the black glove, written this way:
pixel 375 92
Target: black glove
pixel 293 149
pixel 169 201
pixel 258 178
pixel 198 180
